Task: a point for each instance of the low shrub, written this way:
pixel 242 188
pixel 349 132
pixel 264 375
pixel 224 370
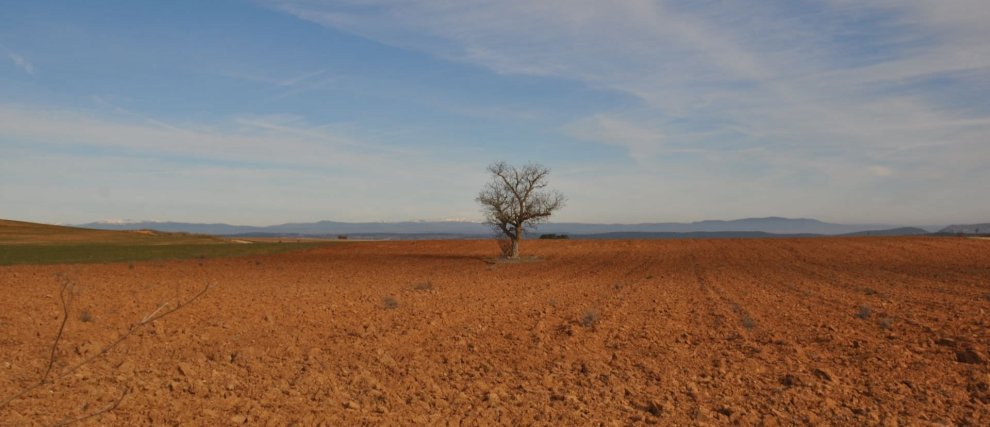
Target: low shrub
pixel 590 318
pixel 390 303
pixel 864 312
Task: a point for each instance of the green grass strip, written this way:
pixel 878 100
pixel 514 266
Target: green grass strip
pixel 96 253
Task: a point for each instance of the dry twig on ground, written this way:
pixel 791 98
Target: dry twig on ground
pixel 66 293
pixel 106 409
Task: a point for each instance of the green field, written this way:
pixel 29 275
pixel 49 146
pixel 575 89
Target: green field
pixel 31 243
pixel 90 253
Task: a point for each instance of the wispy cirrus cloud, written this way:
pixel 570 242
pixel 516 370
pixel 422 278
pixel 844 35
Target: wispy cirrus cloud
pixel 848 97
pixel 642 143
pixel 18 60
pixel 263 165
pixel 849 94
pixel 837 74
pixel 292 81
pixel 274 140
pixel 675 110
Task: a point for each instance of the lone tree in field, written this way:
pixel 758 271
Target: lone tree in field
pixel 517 199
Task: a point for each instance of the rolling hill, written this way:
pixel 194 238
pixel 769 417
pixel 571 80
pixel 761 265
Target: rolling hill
pixel 31 243
pixel 966 229
pixel 29 233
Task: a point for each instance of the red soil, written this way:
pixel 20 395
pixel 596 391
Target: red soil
pixel 891 331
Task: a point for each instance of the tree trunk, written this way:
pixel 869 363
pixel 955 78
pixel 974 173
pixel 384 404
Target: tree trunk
pixel 516 238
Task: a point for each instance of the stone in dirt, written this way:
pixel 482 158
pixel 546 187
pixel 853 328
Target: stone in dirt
pixel 969 355
pixel 654 409
pixel 823 374
pixel 184 369
pixel 790 380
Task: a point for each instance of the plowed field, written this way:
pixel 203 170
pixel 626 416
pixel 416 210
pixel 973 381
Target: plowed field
pixel 825 331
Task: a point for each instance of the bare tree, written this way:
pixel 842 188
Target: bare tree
pixel 517 199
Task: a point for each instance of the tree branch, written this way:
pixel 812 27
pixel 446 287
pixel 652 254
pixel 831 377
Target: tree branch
pixel 158 313
pixel 109 408
pixel 65 296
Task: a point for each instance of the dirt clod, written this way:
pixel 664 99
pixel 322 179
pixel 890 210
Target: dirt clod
pixel 791 380
pixel 969 355
pixel 823 374
pixel 654 409
pixel 185 369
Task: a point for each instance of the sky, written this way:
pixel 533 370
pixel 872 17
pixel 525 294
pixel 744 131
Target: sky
pixel 271 111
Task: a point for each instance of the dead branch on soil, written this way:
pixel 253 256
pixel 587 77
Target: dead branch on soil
pixel 163 310
pixel 109 408
pixel 65 298
pixel 66 291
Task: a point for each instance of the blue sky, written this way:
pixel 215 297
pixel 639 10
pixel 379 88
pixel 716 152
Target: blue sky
pixel 262 112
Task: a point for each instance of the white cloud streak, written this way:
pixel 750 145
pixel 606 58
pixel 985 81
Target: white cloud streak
pixel 248 169
pixel 301 78
pixel 750 65
pixel 18 60
pixel 847 91
pixel 278 140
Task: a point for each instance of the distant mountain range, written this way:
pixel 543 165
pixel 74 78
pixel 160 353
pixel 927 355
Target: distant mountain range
pixel 983 229
pixel 748 227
